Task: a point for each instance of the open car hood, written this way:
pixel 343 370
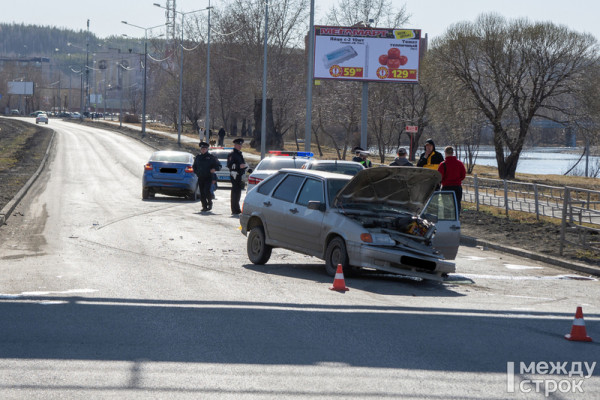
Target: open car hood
pixel 406 188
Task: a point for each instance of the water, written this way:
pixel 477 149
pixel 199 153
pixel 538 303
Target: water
pixel 543 160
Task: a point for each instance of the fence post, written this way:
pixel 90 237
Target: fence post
pixel 537 207
pixel 563 225
pixel 476 192
pixel 506 197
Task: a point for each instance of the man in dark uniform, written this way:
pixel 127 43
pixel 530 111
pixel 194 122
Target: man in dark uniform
pixel 357 158
pixel 237 167
pixel 205 165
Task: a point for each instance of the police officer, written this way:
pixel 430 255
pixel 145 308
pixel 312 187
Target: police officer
pixel 205 165
pixel 237 167
pixel 357 158
pixel 363 159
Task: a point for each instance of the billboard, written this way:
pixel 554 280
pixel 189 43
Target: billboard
pixel 367 54
pixel 25 88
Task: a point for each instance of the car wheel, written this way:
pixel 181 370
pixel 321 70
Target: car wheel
pixel 258 251
pixel 145 193
pixel 191 196
pixel 336 254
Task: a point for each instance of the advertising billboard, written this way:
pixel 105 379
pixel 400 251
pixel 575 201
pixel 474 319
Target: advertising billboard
pixel 25 88
pixel 367 54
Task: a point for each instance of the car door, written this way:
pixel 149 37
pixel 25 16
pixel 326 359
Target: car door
pixel 305 226
pixel 442 205
pixel 277 212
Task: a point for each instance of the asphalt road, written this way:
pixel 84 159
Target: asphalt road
pixel 104 295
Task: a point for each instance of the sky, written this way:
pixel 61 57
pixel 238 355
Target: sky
pixel 433 17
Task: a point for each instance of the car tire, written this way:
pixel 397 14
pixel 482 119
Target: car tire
pixel 191 196
pixel 336 254
pixel 258 251
pixel 145 193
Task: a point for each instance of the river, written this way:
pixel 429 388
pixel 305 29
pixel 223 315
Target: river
pixel 544 160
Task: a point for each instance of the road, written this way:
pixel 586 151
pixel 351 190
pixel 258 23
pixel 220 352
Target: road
pixel 103 295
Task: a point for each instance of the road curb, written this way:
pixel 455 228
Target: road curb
pixel 9 208
pixel 574 266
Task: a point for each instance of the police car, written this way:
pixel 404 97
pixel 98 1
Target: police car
pixel 275 161
pixel 221 153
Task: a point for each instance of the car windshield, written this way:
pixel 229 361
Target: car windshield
pixel 333 188
pixel 279 163
pixel 170 157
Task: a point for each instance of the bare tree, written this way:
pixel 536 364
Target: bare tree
pixel 513 71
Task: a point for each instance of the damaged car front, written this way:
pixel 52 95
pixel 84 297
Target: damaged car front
pixel 394 234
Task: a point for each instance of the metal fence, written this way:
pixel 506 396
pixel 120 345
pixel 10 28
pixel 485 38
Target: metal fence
pixel 578 209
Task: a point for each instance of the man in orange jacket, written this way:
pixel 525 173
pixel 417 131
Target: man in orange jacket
pixel 453 173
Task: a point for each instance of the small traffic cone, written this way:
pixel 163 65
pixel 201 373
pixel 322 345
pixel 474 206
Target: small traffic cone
pixel 338 283
pixel 578 333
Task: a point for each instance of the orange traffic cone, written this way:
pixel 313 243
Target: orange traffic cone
pixel 578 330
pixel 338 283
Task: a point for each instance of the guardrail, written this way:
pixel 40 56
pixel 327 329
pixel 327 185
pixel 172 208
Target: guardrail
pixel 578 209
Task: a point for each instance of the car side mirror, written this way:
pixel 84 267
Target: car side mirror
pixel 316 205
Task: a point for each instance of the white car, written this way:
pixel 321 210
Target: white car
pixel 276 161
pixel 41 117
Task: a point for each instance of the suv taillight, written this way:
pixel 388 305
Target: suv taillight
pixel 252 180
pixel 148 167
pixel 189 169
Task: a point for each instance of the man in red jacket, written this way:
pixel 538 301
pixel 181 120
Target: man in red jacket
pixel 453 173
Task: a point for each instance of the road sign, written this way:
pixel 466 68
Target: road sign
pixel 412 128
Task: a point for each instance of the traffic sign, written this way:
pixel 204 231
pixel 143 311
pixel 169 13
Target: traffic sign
pixel 412 128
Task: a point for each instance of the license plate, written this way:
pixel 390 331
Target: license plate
pixel 223 178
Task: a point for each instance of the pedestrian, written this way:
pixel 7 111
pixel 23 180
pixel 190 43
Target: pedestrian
pixel 401 160
pixel 237 167
pixel 430 158
pixel 453 173
pixel 364 160
pixel 357 158
pixel 205 165
pixel 221 136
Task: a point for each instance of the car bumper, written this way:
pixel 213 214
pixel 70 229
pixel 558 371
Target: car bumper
pixel 398 261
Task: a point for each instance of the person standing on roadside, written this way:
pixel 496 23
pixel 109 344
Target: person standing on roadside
pixel 401 160
pixel 357 158
pixel 221 137
pixel 237 167
pixel 364 160
pixel 205 165
pixel 453 173
pixel 430 158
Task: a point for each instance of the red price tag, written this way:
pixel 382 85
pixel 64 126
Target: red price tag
pixel 352 72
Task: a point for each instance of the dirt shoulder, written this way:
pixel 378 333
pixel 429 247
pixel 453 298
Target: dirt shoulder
pixel 23 145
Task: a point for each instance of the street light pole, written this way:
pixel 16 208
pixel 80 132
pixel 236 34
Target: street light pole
pixel 263 128
pixel 183 14
pixel 145 69
pixel 207 121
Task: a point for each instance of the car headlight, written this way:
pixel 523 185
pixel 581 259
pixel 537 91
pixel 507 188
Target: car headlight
pixel 379 239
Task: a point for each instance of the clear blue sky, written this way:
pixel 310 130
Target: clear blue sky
pixel 432 16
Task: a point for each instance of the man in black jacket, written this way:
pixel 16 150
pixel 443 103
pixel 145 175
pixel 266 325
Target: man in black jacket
pixel 401 160
pixel 430 159
pixel 205 165
pixel 237 168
